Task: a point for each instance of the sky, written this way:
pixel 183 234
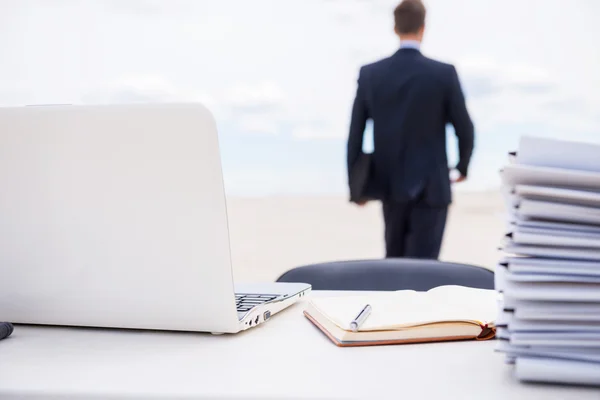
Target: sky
pixel 280 75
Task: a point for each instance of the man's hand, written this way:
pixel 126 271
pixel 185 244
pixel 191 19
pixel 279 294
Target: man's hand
pixel 456 177
pixel 459 179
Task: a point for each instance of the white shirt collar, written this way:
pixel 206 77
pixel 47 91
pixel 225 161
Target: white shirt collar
pixel 410 44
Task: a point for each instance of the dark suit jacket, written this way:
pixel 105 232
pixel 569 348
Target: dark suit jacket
pixel 410 99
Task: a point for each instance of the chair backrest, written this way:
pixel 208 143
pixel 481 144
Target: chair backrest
pixel 389 274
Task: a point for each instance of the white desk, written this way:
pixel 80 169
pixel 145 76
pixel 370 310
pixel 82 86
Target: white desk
pixel 286 358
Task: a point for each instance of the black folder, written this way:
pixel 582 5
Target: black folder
pixel 361 179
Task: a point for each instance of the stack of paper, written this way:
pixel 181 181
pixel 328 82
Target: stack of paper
pixel 549 322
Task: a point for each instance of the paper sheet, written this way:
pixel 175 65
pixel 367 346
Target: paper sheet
pixel 546 152
pixel 533 209
pixel 557 371
pixel 560 195
pixel 554 226
pixel 565 253
pixel 407 308
pixel 516 174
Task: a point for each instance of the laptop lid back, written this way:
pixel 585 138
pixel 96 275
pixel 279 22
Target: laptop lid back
pixel 114 216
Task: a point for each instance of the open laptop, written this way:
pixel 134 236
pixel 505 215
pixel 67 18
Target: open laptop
pixel 115 216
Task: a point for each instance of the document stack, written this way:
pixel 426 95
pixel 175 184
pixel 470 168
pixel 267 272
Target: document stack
pixel 549 320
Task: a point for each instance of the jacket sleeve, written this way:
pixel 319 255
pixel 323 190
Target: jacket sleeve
pixel 358 121
pixel 461 121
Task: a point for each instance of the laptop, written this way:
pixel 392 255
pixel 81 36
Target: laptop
pixel 115 216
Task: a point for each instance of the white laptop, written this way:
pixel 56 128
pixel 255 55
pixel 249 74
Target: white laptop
pixel 115 216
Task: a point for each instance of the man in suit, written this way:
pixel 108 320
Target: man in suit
pixel 410 99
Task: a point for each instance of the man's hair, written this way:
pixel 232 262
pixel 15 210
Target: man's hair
pixel 409 16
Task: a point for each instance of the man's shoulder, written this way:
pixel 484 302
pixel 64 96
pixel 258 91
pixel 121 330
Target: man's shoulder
pixel 438 66
pixel 430 64
pixel 376 65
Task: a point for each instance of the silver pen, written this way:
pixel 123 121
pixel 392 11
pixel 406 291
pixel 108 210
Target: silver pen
pixel 360 318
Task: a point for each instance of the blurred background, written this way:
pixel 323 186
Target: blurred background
pixel 280 78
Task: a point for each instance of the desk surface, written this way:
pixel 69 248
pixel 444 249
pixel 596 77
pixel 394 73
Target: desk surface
pixel 286 358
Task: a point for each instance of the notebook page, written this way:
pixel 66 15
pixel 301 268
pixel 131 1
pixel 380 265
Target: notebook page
pixel 403 309
pixel 480 302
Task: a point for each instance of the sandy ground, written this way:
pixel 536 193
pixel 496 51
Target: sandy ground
pixel 271 235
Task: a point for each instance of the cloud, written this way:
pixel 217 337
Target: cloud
pixel 306 132
pixel 569 104
pixel 253 108
pixel 318 130
pixel 478 86
pixel 348 11
pixel 354 10
pixel 258 124
pixel 503 94
pixel 486 77
pixel 256 107
pixel 498 94
pixel 144 89
pixel 216 29
pixel 252 98
pixel 150 7
pixel 10 97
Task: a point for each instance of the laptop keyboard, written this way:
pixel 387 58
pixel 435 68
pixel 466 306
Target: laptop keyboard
pixel 245 302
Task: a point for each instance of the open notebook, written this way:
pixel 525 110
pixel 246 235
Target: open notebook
pixel 444 313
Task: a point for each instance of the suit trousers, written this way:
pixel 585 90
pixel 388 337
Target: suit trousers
pixel 413 229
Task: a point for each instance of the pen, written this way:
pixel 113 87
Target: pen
pixel 360 318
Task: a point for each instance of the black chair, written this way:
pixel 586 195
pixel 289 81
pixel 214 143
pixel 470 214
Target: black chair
pixel 389 274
